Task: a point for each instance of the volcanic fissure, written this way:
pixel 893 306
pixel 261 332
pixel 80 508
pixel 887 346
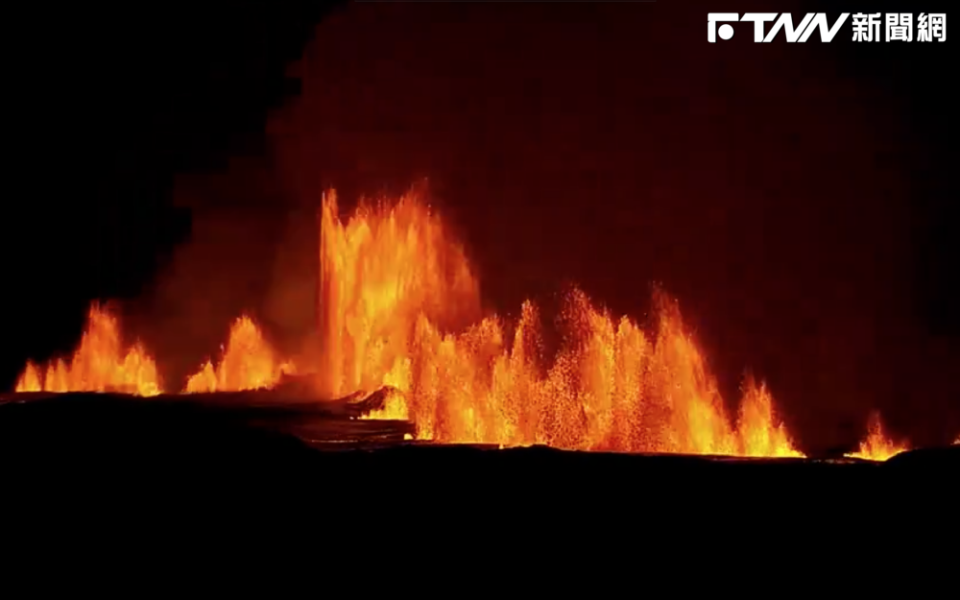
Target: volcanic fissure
pixel 399 314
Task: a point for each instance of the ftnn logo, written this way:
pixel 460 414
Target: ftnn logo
pixel 799 34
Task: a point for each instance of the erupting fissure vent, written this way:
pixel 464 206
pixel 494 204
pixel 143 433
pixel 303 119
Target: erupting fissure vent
pixel 248 363
pixel 877 446
pixel 399 306
pixel 99 364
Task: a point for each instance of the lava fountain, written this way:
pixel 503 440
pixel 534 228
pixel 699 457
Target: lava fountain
pixel 399 310
pixel 877 445
pixel 99 364
pixel 248 362
pixel 392 277
pixel 379 273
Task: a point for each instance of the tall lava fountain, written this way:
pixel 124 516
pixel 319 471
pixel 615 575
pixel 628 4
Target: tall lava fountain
pixel 394 287
pixel 399 309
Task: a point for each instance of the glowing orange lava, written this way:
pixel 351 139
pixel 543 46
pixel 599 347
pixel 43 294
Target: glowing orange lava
pixel 248 363
pixel 379 273
pixel 390 275
pixel 399 306
pixel 98 365
pixel 877 446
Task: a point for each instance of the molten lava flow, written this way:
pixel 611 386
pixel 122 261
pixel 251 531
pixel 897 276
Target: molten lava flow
pixel 98 365
pixel 400 307
pixel 248 363
pixel 877 446
pixel 393 281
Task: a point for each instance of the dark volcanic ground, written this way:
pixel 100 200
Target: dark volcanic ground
pixel 233 433
pixel 244 468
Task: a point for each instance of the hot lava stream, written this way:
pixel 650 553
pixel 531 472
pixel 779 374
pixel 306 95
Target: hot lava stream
pixel 399 306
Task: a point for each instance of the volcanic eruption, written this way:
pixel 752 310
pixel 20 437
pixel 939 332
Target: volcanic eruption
pixel 877 445
pixel 399 310
pixel 248 363
pixel 99 364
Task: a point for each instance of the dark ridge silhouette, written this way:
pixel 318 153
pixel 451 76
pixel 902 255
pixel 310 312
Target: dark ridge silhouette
pixel 259 432
pixel 131 474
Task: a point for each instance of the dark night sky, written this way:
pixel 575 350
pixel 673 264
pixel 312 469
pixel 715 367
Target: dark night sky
pixel 796 198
